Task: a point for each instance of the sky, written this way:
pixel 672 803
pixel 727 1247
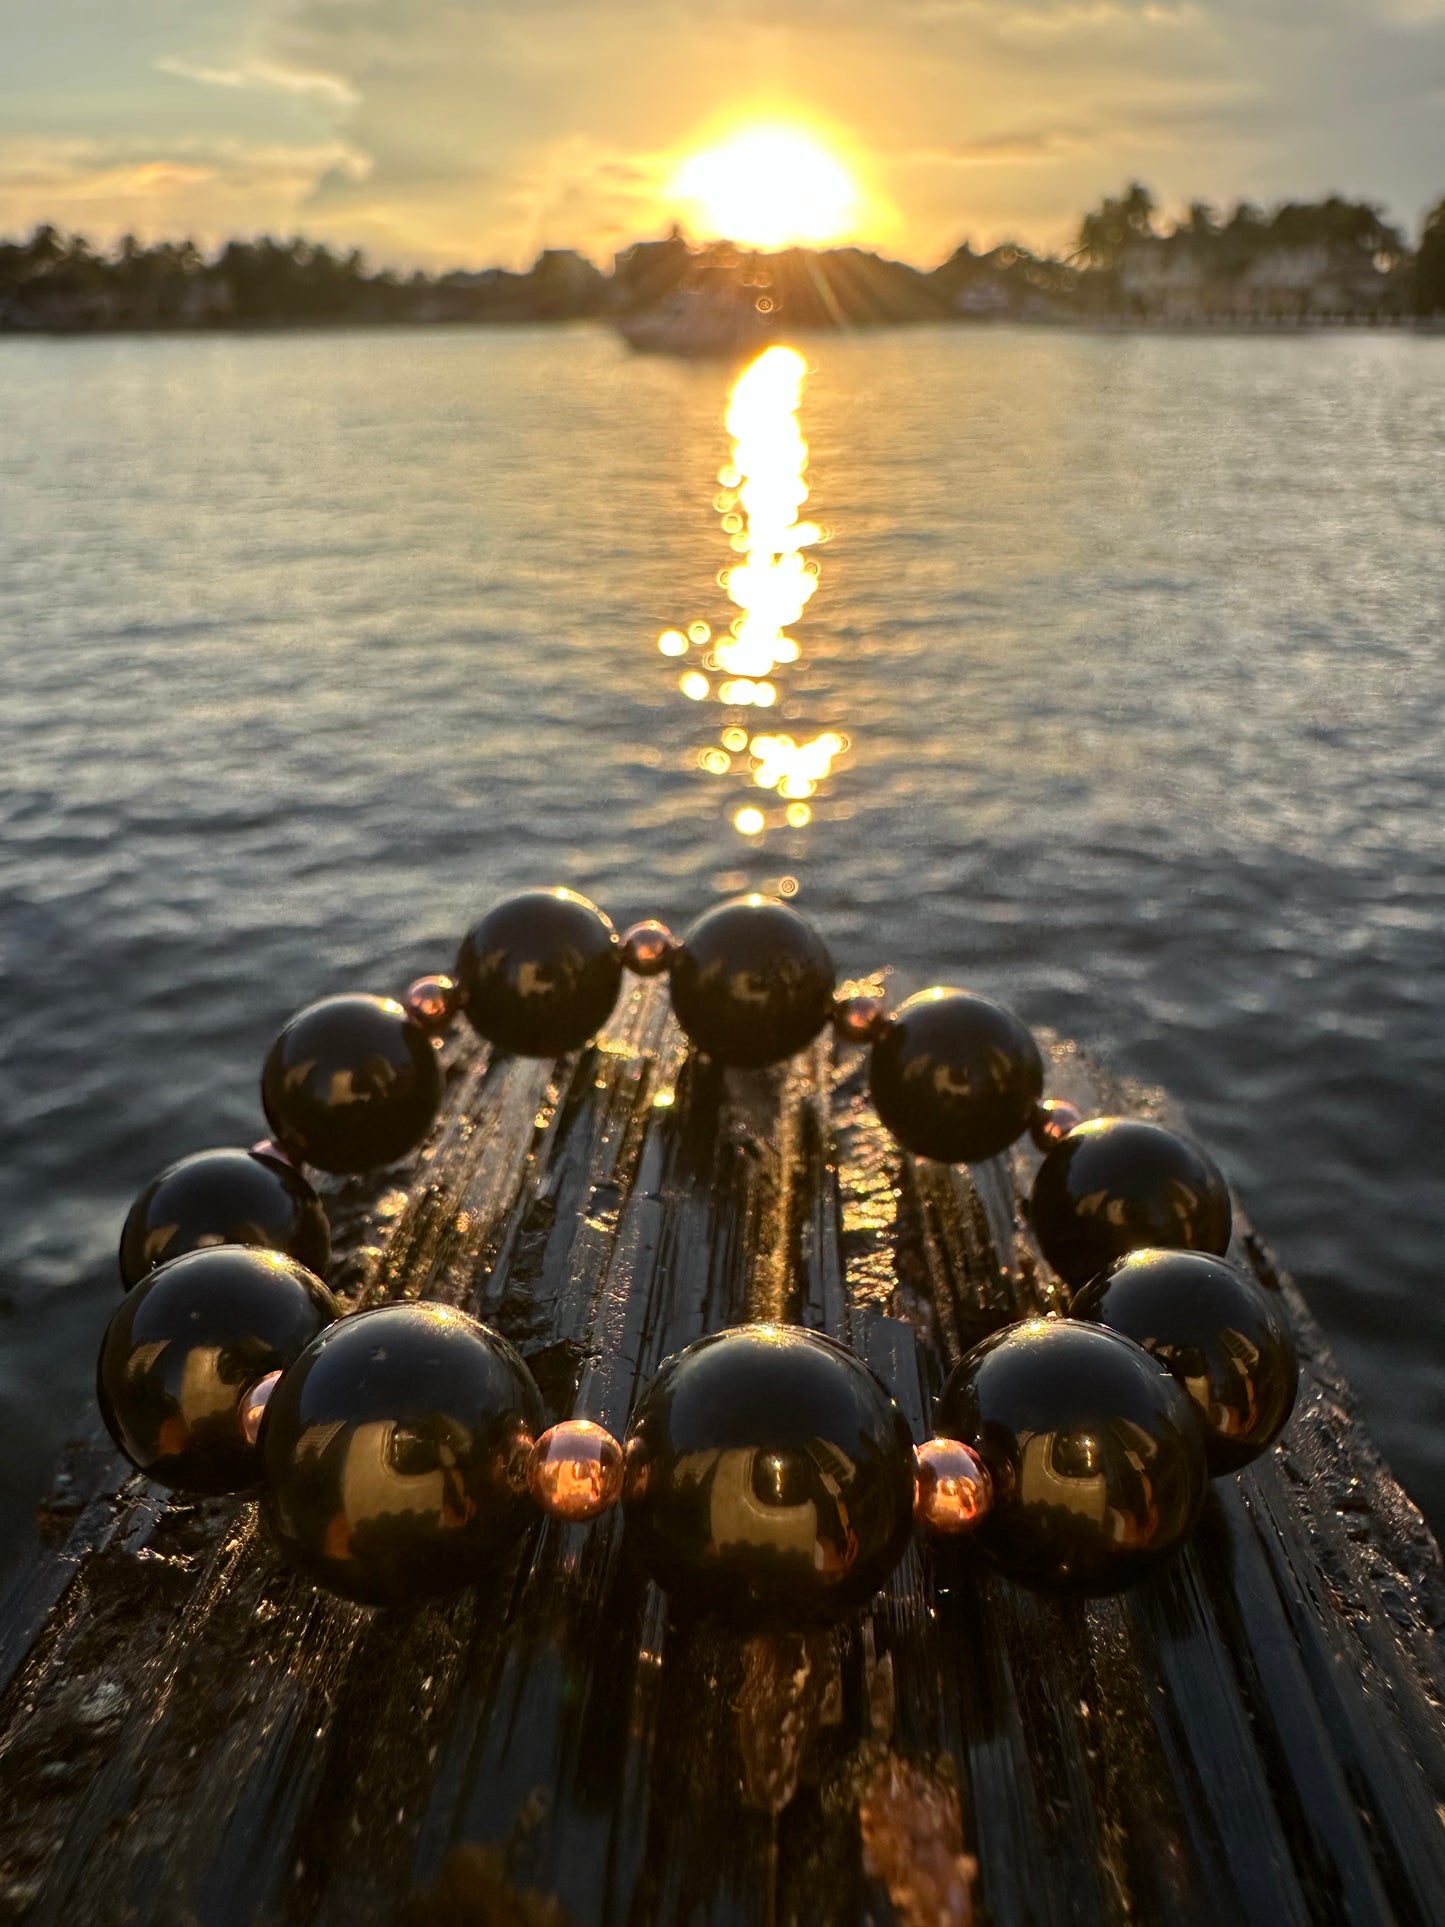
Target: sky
pixel 464 132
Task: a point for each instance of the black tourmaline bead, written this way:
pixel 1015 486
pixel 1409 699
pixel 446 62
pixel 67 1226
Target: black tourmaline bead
pixel 1116 1184
pixel 351 1084
pixel 395 1453
pixel 540 973
pixel 1222 1335
pixel 769 1476
pixel 955 1077
pixel 186 1346
pixel 752 982
pixel 225 1198
pixel 1096 1456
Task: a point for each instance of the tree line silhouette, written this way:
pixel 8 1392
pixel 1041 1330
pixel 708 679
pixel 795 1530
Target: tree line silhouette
pixel 1123 254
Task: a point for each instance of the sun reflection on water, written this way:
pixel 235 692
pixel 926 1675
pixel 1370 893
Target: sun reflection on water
pixel 761 494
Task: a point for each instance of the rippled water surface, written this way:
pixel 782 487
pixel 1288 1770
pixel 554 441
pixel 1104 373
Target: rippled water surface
pixel 310 647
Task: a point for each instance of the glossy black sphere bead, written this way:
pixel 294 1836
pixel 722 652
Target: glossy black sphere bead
pixel 351 1084
pixel 752 982
pixel 956 1076
pixel 184 1348
pixel 225 1198
pixel 540 973
pixel 1096 1455
pixel 393 1451
pixel 770 1476
pixel 1224 1338
pixel 1116 1184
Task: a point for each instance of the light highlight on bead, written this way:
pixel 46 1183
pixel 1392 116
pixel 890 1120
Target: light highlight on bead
pixel 575 1470
pixel 952 1490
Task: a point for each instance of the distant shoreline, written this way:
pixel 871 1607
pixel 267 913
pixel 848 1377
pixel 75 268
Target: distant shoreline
pixel 1061 323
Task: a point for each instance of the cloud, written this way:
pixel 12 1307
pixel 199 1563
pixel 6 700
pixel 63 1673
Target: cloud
pixel 265 73
pixel 205 188
pixel 466 131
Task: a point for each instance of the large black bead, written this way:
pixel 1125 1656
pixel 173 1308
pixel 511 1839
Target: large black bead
pixel 1116 1184
pixel 1096 1455
pixel 392 1451
pixel 185 1347
pixel 752 982
pixel 351 1084
pixel 224 1198
pixel 770 1475
pixel 540 973
pixel 1222 1335
pixel 956 1076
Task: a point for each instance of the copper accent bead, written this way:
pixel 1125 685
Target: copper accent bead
pixel 183 1357
pixel 253 1405
pixel 1218 1331
pixel 1117 1184
pixel 433 1002
pixel 225 1198
pixel 860 1019
pixel 540 973
pixel 952 1490
pixel 648 949
pixel 1052 1120
pixel 351 1084
pixel 752 983
pixel 575 1470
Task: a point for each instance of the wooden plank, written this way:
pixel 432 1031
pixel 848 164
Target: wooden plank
pixel 188 1733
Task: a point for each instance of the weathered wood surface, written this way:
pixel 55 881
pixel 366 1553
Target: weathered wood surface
pixel 190 1735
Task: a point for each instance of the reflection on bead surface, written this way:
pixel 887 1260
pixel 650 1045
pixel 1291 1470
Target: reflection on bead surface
pixel 575 1471
pixel 648 949
pixel 433 1002
pixel 389 1449
pixel 225 1198
pixel 351 1084
pixel 1052 1119
pixel 769 1475
pixel 752 983
pixel 1116 1184
pixel 1096 1456
pixel 952 1490
pixel 1220 1333
pixel 860 1019
pixel 540 973
pixel 956 1077
pixel 183 1353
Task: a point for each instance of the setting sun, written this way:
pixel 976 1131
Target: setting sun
pixel 767 187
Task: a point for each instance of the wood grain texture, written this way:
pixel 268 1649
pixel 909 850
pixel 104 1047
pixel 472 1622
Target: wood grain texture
pixel 188 1734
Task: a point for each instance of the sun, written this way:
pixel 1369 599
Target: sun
pixel 767 187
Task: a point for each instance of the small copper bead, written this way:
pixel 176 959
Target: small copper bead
pixel 253 1405
pixel 433 1002
pixel 575 1470
pixel 860 1019
pixel 952 1490
pixel 1052 1119
pixel 648 949
pixel 267 1147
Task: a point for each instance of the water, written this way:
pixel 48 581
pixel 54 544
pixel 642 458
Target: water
pixel 312 646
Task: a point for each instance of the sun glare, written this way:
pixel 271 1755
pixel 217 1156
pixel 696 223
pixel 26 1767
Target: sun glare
pixel 767 187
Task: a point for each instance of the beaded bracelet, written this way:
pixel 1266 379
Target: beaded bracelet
pixel 766 1471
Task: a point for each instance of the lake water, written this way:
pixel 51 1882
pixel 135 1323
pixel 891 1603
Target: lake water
pixel 313 646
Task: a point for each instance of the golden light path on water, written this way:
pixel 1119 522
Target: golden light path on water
pixel 761 494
